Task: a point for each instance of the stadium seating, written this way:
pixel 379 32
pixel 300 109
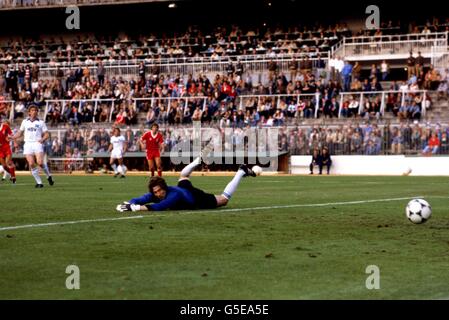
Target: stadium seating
pixel 230 77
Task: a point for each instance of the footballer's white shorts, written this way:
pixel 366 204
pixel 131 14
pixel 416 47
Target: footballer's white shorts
pixel 32 148
pixel 116 154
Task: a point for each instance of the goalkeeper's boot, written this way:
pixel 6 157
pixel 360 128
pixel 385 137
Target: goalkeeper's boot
pixel 206 151
pixel 248 171
pixel 50 180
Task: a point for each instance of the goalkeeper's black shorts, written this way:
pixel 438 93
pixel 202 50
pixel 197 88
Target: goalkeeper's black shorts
pixel 202 200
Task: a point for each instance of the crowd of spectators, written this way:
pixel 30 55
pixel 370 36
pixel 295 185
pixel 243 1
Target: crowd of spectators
pixel 368 139
pixel 229 99
pixel 212 99
pixel 391 27
pixel 359 139
pixel 193 43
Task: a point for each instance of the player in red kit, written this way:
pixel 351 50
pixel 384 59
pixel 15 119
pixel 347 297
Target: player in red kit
pixel 5 150
pixel 154 143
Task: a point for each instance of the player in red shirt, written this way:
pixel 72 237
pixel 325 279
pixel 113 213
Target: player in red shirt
pixel 154 143
pixel 5 150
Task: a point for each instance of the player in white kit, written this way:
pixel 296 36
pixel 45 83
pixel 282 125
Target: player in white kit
pixel 36 133
pixel 117 149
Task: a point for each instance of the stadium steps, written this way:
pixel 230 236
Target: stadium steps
pixel 439 110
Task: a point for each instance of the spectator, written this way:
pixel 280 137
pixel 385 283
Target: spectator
pixel 272 70
pixel 339 65
pixel 411 66
pixel 278 118
pixel 74 116
pixel 325 160
pixel 347 74
pixel 403 112
pixel 239 69
pixel 100 73
pixel 141 71
pixel 230 69
pixel 197 114
pixel 397 142
pixel 356 143
pixel 374 72
pixel 443 90
pixel 120 120
pixel 150 117
pixel 293 67
pixel 419 63
pixel 432 145
pixel 384 70
pixel 444 143
pixel 353 108
pixel 356 70
pixel 316 160
pixel 415 111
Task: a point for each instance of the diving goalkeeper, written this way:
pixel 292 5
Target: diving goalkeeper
pixel 184 196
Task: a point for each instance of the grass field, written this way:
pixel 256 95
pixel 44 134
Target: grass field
pixel 296 238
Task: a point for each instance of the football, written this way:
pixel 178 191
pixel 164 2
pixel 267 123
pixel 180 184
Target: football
pixel 407 171
pixel 418 211
pixel 257 170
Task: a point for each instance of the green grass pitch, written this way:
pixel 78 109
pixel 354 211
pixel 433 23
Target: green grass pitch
pixel 281 249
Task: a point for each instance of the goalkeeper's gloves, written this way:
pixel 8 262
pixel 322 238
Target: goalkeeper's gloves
pixel 126 206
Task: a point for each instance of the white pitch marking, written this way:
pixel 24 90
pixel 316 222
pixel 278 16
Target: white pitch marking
pixel 203 211
pixel 67 222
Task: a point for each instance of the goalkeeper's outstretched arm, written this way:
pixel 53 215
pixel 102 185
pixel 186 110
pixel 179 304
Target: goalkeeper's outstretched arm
pixel 136 204
pixel 143 203
pixel 146 198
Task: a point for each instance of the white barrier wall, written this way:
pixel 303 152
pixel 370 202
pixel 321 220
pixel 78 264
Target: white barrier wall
pixel 376 165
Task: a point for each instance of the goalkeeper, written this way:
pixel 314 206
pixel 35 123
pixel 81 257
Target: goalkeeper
pixel 184 196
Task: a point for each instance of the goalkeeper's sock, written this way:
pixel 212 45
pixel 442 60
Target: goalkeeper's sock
pixel 46 170
pixel 114 167
pixel 187 171
pixel 152 172
pixel 232 186
pixel 35 174
pixel 159 173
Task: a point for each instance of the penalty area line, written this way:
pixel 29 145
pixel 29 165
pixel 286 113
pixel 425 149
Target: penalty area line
pixel 49 224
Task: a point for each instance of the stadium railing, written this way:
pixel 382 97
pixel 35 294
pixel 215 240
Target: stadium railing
pixel 440 58
pixel 363 95
pixel 168 101
pixel 64 103
pixel 343 139
pixel 129 69
pixel 300 139
pixel 389 46
pixel 281 101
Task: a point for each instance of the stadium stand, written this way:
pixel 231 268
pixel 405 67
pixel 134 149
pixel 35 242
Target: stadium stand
pixel 290 77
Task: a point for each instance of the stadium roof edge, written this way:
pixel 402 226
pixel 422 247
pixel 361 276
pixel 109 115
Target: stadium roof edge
pixel 116 2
